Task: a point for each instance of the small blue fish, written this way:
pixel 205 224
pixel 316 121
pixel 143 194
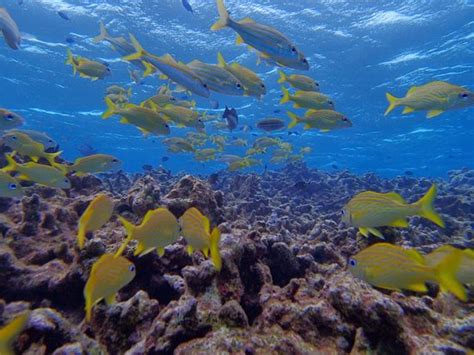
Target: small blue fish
pixel 63 15
pixel 70 39
pixel 187 6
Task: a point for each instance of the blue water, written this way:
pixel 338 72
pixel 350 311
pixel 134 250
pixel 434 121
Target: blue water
pixel 357 51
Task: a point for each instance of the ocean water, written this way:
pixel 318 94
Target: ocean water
pixel 357 51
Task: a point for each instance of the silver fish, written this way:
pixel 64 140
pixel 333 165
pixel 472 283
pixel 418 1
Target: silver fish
pixel 10 30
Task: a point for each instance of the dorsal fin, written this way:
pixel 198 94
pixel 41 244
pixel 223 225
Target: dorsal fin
pixel 412 90
pixel 246 20
pixel 194 62
pixel 168 57
pixel 396 197
pixel 207 224
pixel 415 255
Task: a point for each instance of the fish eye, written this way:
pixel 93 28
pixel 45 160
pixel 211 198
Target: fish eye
pixel 66 181
pixel 293 49
pixel 167 125
pixel 172 98
pixel 316 84
pixel 12 186
pixel 9 117
pixel 352 262
pixel 330 103
pixel 463 95
pixel 262 85
pixel 205 85
pixel 114 160
pixel 50 141
pixel 305 60
pixel 345 119
pixel 13 137
pixel 343 212
pixel 131 268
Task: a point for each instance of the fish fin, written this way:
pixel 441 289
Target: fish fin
pixel 282 78
pixel 412 90
pixel 111 107
pixel 307 126
pixel 102 35
pixel 139 249
pixel 149 69
pixel 23 177
pixel 124 120
pixel 297 106
pixel 110 300
pixel 375 232
pixel 190 250
pixel 160 251
pixel 446 272
pixel 239 40
pixel 50 158
pixel 286 95
pixel 364 231
pixel 434 113
pixel 323 130
pixel 392 101
pixel 169 58
pixel 426 209
pixel 246 20
pixel 70 60
pixel 223 16
pixel 81 236
pixel 88 307
pixel 130 229
pixel 395 197
pixel 205 251
pixel 418 287
pixel 220 60
pixel 11 331
pixel 193 103
pixel 416 255
pixel 402 223
pixel 407 110
pixel 12 164
pixel 35 159
pixel 214 248
pixel 163 77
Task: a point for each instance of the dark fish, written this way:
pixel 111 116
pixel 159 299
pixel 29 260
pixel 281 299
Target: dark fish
pixel 271 124
pixel 165 158
pixel 87 149
pixel 277 110
pixel 70 39
pixel 293 133
pixel 63 15
pixel 147 167
pixel 334 166
pixel 232 118
pixel 187 6
pixel 214 104
pixel 409 173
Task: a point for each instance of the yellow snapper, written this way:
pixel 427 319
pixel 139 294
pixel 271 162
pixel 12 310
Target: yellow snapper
pixel 435 97
pixel 394 268
pixel 158 229
pixel 9 29
pixel 87 68
pixel 118 99
pixel 182 116
pixel 324 120
pixel 205 154
pixel 9 187
pixel 40 137
pixel 266 142
pixel 38 173
pixel 301 82
pixel 308 99
pixel 178 145
pixel 216 78
pixel 465 273
pixel 239 142
pixel 196 229
pixel 370 209
pixel 242 163
pixel 22 144
pixel 9 120
pixel 118 90
pixel 96 163
pixel 97 214
pixel 263 38
pixel 11 331
pixel 146 120
pixel 108 275
pixel 253 85
pixel 175 71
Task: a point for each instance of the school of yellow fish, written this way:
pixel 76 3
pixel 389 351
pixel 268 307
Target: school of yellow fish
pixel 34 158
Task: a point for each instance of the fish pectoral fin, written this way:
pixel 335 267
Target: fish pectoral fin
pixel 160 251
pixel 402 223
pixel 296 106
pixel 324 130
pixel 375 232
pixel 23 177
pixel 419 287
pixel 407 110
pixel 434 113
pixel 190 250
pixel 124 120
pixel 239 40
pixel 307 126
pixel 110 300
pixel 205 251
pixel 412 90
pixel 35 159
pixel 163 77
pixel 364 232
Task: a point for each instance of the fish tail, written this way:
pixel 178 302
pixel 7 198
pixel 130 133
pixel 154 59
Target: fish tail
pixel 286 96
pixel 51 156
pixel 282 77
pixel 220 60
pixel 392 103
pixel 11 331
pixel 70 60
pixel 110 108
pixel 12 165
pixel 65 169
pixel 130 228
pixel 224 16
pixel 140 51
pixel 149 69
pixel 215 252
pixel 446 273
pixel 426 209
pixel 294 119
pixel 102 35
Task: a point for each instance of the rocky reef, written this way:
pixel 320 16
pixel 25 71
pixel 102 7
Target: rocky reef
pixel 283 288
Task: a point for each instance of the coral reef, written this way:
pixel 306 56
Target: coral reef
pixel 283 288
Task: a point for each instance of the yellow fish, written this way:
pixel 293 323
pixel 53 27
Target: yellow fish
pixel 9 187
pixel 94 217
pixel 324 120
pixel 87 68
pixel 9 120
pixel 108 275
pixel 435 97
pixel 118 90
pixel 266 142
pixel 9 29
pixel 242 163
pixel 205 154
pixel 11 331
pixel 40 137
pixel 118 99
pixel 307 99
pixel 182 116
pixel 394 268
pixel 196 229
pixel 465 273
pixel 22 144
pixel 158 229
pixel 41 174
pixel 370 209
pixel 301 82
pixel 253 85
pixel 95 163
pixel 178 145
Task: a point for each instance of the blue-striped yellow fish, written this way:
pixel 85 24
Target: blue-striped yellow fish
pixel 465 273
pixel 9 187
pixel 94 217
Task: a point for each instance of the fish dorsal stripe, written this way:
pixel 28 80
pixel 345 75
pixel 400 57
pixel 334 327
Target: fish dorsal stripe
pixel 396 197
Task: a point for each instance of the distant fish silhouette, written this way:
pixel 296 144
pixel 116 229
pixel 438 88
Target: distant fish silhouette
pixel 230 114
pixel 187 6
pixel 63 15
pixel 70 39
pixel 165 158
pixel 87 149
pixel 277 110
pixel 147 167
pixel 409 173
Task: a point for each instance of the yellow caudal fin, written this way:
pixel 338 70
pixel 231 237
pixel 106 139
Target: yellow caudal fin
pixel 446 273
pixel 110 108
pixel 220 60
pixel 215 252
pixel 426 209
pixel 223 14
pixel 11 331
pixel 70 60
pixel 294 119
pixel 149 69
pixel 282 77
pixel 392 103
pixel 51 156
pixel 11 166
pixel 130 228
pixel 138 47
pixel 102 35
pixel 286 96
